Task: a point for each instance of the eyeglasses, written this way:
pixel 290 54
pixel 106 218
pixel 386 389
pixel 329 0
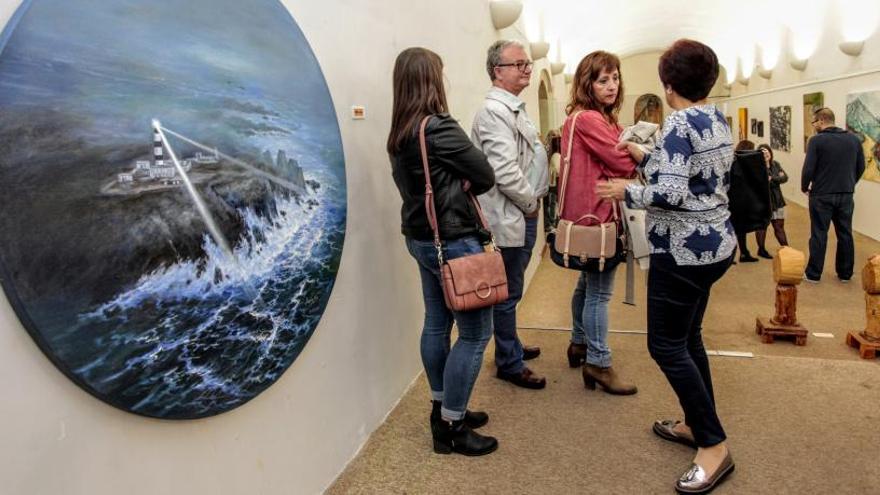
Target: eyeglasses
pixel 521 65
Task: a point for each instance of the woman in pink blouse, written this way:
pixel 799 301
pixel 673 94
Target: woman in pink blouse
pixel 596 97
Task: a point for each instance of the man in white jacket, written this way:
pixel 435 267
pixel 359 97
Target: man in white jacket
pixel 503 131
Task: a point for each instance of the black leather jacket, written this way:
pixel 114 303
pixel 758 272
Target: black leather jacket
pixel 452 159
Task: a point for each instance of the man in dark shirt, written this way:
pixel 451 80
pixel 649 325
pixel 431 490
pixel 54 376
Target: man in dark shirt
pixel 835 161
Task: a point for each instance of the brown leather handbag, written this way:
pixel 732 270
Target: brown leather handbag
pixel 469 282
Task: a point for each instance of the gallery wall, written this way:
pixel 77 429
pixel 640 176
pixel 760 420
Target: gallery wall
pixel 832 73
pixel 300 433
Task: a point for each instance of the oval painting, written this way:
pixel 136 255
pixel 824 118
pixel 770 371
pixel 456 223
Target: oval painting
pixel 172 196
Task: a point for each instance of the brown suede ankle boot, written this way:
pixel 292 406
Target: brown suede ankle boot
pixel 608 379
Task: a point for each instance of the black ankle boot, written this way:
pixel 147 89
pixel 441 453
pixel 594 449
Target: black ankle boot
pixel 473 419
pixel 457 437
pixel 577 354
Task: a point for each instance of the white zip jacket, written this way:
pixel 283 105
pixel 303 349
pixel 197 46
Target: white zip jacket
pixel 508 138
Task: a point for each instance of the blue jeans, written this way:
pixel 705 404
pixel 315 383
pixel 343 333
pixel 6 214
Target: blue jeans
pixel 508 348
pixel 826 209
pixel 589 315
pixel 451 372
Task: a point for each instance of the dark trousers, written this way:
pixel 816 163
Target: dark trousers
pixel 508 348
pixel 824 210
pixel 677 299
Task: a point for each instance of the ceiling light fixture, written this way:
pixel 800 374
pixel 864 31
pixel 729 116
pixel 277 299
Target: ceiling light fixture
pixel 505 12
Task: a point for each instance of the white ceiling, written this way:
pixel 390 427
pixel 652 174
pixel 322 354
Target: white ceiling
pixel 739 30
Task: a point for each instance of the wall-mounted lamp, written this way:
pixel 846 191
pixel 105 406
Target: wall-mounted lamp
pixel 556 68
pixel 852 48
pixel 539 49
pixel 505 12
pixel 798 64
pixel 569 78
pixel 742 80
pixel 765 73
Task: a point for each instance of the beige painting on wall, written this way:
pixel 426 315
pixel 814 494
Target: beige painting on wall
pixel 812 102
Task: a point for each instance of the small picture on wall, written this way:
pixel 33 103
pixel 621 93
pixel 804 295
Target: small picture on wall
pixel 812 102
pixel 754 126
pixel 743 123
pixel 760 132
pixel 780 128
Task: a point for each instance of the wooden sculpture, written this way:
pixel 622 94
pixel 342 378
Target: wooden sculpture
pixel 868 341
pixel 788 272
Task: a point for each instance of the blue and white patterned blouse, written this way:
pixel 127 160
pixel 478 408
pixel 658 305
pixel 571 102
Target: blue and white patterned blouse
pixel 688 175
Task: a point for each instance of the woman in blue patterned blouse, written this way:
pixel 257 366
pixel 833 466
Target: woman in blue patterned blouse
pixel 692 244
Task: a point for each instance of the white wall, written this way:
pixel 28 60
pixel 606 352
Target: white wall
pixel 299 434
pixel 836 75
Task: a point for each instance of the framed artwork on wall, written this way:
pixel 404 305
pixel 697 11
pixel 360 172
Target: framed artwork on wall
pixel 812 103
pixel 760 128
pixel 187 176
pixel 754 126
pixel 648 108
pixel 863 118
pixel 780 128
pixel 743 121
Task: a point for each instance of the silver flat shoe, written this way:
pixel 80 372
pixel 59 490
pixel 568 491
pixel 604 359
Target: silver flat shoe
pixel 696 481
pixel 666 430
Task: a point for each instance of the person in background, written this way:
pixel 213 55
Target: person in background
pixel 503 131
pixel 553 153
pixel 692 246
pixel 741 232
pixel 777 176
pixel 834 163
pixel 596 97
pixel 456 166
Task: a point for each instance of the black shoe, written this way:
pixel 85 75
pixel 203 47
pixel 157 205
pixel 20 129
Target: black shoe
pixel 524 379
pixel 764 254
pixel 473 419
pixel 530 352
pixel 577 354
pixel 457 437
pixel 747 258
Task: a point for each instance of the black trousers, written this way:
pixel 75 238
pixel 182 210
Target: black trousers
pixel 826 209
pixel 677 299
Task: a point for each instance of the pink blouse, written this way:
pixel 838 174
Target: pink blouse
pixel 593 159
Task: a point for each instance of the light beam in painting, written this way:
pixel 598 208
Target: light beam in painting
pixel 172 196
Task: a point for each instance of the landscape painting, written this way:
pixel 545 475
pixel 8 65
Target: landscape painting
pixel 780 128
pixel 172 196
pixel 863 118
pixel 812 103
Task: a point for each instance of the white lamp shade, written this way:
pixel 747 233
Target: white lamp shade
pixel 852 48
pixel 505 12
pixel 798 64
pixel 765 73
pixel 556 68
pixel 539 49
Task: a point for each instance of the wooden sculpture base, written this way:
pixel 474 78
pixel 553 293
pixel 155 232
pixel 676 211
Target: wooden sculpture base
pixel 784 323
pixel 867 346
pixel 769 331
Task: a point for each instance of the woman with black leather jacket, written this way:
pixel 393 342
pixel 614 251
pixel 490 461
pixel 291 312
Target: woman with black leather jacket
pixel 776 175
pixel 456 167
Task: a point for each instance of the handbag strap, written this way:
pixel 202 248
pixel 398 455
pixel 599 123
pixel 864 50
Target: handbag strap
pixel 566 160
pixel 430 207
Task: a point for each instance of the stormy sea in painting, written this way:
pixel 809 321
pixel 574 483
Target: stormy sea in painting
pixel 117 119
